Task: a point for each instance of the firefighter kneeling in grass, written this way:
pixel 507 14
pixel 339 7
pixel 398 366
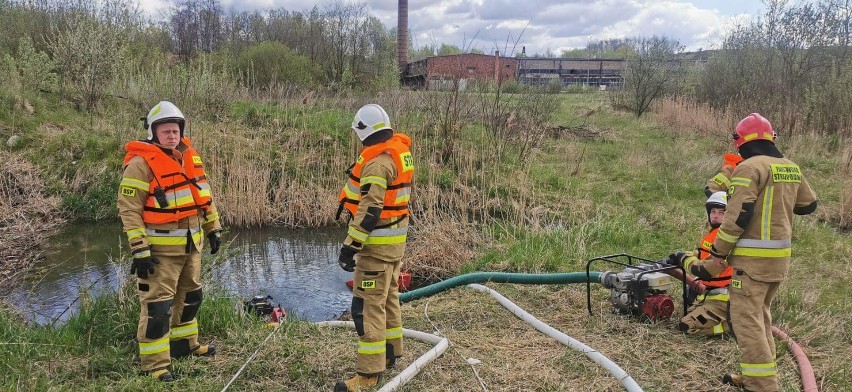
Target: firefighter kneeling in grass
pixel 165 206
pixel 376 195
pixel 708 316
pixel 756 240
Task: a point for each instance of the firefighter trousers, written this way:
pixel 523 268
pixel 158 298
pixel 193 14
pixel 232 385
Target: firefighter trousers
pixel 751 323
pixel 707 318
pixel 169 300
pixel 376 313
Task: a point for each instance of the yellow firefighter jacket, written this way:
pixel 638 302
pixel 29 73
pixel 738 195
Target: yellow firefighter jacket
pixel 757 232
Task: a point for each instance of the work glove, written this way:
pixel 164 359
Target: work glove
pixel 215 240
pixel 676 258
pixel 347 258
pixel 142 266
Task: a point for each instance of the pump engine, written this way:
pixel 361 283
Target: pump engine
pixel 636 291
pixel 641 290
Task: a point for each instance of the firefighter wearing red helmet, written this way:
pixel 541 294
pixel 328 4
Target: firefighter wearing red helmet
pixel 376 195
pixel 709 315
pixel 756 240
pixel 166 209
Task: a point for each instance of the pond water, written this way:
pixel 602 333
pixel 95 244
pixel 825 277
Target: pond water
pixel 298 268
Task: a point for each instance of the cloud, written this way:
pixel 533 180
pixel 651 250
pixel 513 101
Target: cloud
pixel 550 24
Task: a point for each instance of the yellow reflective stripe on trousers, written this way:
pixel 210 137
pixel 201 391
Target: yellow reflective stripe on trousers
pixel 723 180
pixel 762 252
pixel 133 234
pixel 154 347
pixel 726 237
pixel 134 183
pixel 718 329
pixel 387 236
pixel 371 347
pixel 357 235
pixel 375 180
pixel 393 333
pixel 184 331
pixel 718 297
pixel 758 369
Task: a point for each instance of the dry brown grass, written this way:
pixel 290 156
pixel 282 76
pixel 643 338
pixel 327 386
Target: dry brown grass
pixel 27 217
pixel 514 356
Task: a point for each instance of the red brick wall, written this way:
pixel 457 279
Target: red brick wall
pixel 471 66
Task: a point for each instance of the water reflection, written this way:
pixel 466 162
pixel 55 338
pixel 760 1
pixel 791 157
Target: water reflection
pixel 298 268
pixel 80 261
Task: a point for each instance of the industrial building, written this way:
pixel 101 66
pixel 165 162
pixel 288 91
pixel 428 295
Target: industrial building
pixel 456 71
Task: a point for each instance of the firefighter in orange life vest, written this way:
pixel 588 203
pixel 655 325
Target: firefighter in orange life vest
pixel 722 181
pixel 166 208
pixel 756 240
pixel 709 316
pixel 376 195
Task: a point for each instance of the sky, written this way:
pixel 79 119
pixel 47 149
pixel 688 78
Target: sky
pixel 539 26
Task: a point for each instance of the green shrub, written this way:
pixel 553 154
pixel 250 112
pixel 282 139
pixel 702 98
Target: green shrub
pixel 270 63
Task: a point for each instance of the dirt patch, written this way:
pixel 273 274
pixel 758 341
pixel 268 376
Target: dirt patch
pixel 28 216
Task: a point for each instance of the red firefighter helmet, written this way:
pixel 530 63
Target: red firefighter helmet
pixel 753 127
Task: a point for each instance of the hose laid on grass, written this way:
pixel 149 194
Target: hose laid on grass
pixel 592 354
pixel 441 345
pixel 806 370
pixel 498 277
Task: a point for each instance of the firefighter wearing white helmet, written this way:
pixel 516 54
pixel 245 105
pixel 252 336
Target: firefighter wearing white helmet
pixel 709 315
pixel 369 119
pixel 163 112
pixel 166 209
pixel 376 195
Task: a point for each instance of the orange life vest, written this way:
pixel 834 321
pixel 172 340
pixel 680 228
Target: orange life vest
pixel 398 192
pixel 183 188
pixel 724 279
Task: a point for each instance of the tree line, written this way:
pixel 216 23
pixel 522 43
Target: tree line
pixel 792 63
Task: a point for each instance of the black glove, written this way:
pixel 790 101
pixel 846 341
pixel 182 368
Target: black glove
pixel 142 266
pixel 676 258
pixel 215 240
pixel 347 258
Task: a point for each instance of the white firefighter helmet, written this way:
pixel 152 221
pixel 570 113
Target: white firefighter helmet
pixel 370 119
pixel 717 200
pixel 163 112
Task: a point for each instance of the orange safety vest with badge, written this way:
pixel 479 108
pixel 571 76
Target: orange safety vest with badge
pixel 178 191
pixel 724 279
pixel 398 192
